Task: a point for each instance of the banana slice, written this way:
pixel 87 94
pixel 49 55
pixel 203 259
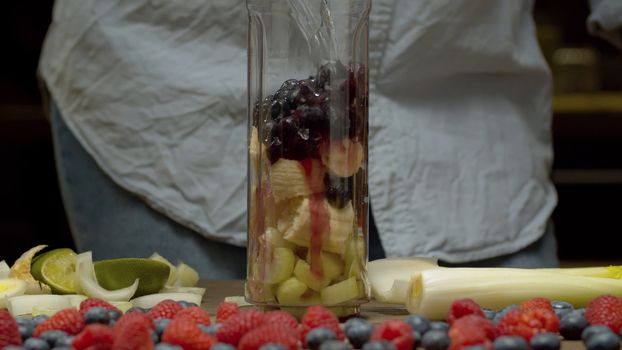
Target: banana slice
pixel 343 158
pixel 10 287
pixel 288 179
pixel 149 301
pixel 341 226
pixel 4 269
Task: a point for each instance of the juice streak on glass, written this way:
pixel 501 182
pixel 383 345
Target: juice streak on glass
pixel 307 169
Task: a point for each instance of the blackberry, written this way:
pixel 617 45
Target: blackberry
pixel 97 315
pixel 571 325
pixel 317 336
pixel 545 341
pixel 507 342
pixel 418 323
pixel 591 330
pixel 603 341
pixel 435 339
pixel 36 344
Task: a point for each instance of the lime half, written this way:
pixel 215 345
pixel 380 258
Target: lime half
pixel 57 269
pixel 120 273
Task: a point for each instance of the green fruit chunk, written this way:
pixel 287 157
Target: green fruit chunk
pixel 332 264
pixel 113 274
pixel 281 265
pixel 275 239
pixel 290 291
pixel 303 272
pixel 340 292
pixel 57 269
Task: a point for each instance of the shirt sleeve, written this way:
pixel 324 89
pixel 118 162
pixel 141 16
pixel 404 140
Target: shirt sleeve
pixel 605 20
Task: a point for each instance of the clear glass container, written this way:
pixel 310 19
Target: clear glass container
pixel 307 169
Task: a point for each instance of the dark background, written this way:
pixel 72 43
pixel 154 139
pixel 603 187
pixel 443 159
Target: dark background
pixel 587 137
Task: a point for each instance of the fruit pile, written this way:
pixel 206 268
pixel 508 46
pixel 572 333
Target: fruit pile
pixel 536 324
pixel 308 177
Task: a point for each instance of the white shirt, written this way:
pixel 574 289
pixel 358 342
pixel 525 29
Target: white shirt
pixel 460 115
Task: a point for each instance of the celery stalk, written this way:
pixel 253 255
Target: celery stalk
pixel 432 291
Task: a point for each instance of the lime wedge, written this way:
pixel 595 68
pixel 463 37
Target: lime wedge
pixel 115 274
pixel 57 269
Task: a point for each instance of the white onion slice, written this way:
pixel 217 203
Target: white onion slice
pixel 4 269
pixel 149 301
pixel 192 290
pixel 85 278
pixel 24 304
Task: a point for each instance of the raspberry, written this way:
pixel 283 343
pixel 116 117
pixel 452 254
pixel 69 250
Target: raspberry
pixel 397 332
pixel 68 320
pixel 236 326
pixel 164 309
pixel 226 310
pixel 282 318
pixel 9 331
pixel 131 317
pixel 528 322
pixel 480 322
pixel 463 307
pixel 196 313
pixel 466 333
pixel 537 303
pixel 269 333
pixel 605 310
pixel 90 303
pixel 185 332
pixel 318 316
pixel 96 335
pixel 132 332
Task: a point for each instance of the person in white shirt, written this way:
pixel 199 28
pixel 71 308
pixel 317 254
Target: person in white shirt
pixel 149 122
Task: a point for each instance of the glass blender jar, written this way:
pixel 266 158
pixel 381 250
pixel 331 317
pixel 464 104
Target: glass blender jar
pixel 307 153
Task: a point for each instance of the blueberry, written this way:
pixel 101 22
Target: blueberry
pixel 352 321
pixel 13 347
pixel 558 304
pixel 316 120
pixel 52 337
pixel 435 339
pixel 417 338
pixel 97 315
pixel 275 109
pixel 155 338
pixel 167 346
pixel 490 314
pixel 38 319
pixel 595 329
pixel 475 347
pixel 63 348
pixel 222 346
pixel 503 312
pixel 25 330
pixel 545 341
pixel 335 345
pixel 36 344
pixel 378 345
pixel 23 321
pixel 114 315
pixel 317 336
pixel 359 332
pixel 439 326
pixel 211 329
pixel 571 325
pixel 273 346
pixel 507 342
pixel 186 304
pixel 603 341
pixel 64 341
pixel 418 323
pixel 160 325
pixel 562 312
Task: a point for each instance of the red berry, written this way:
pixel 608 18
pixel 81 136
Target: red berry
pixel 397 332
pixel 482 323
pixel 164 309
pixel 68 320
pixel 269 333
pixel 318 316
pixel 96 335
pixel 282 318
pixel 132 332
pixel 131 317
pixel 90 303
pixel 183 331
pixel 467 334
pixel 226 310
pixel 537 303
pixel 9 331
pixel 236 326
pixel 528 322
pixel 605 310
pixel 463 307
pixel 196 313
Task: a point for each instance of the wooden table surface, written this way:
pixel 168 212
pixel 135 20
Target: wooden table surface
pixel 217 291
